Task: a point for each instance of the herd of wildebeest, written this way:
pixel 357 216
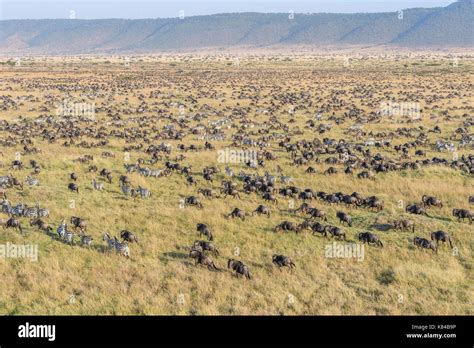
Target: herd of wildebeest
pixel 161 142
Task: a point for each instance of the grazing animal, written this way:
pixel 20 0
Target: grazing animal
pixel 121 248
pixel 128 236
pixel 416 209
pixel 73 176
pixel 78 223
pixel 97 185
pixel 193 200
pixel 282 261
pixel 288 226
pixel 462 214
pixel 14 223
pixel 343 217
pixel 404 225
pixel 262 210
pixel 239 268
pixel 370 238
pixel 86 240
pixel 336 232
pixel 430 201
pixel 204 230
pixel 441 236
pixel 425 244
pixel 110 242
pixel 236 213
pixel 201 259
pixel 73 187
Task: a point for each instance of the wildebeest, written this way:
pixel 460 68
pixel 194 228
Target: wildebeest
pixel 441 236
pixel 430 201
pixel 43 226
pixel 370 238
pixel 317 213
pixel 238 267
pixel 14 223
pixel 416 209
pixel 236 213
pixel 288 226
pixel 261 209
pixel 78 223
pixel 204 230
pixel 193 200
pixel 462 214
pixel 73 187
pixel 404 225
pixel 424 243
pixel 335 231
pixel 202 259
pixel 343 217
pixel 128 236
pixel 205 246
pixel 282 261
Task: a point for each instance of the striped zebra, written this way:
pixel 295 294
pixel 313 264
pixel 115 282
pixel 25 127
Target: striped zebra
pixel 143 192
pixel 127 190
pixel 61 230
pixel 110 242
pixel 122 248
pixel 69 237
pixel 86 240
pixel 17 210
pixel 29 212
pixel 32 181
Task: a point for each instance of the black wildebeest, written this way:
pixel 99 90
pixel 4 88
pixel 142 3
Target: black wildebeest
pixel 239 268
pixel 370 238
pixel 282 261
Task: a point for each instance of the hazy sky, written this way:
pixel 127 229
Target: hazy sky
pixel 89 9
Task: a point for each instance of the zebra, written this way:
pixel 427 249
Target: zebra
pixel 285 179
pixel 86 240
pixel 61 230
pixel 29 212
pixel 110 241
pixel 31 181
pixel 17 210
pixel 143 192
pixel 122 248
pixel 229 172
pixel 127 190
pixel 97 185
pixel 68 237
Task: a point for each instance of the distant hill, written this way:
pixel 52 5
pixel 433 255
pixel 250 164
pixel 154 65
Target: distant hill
pixel 445 27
